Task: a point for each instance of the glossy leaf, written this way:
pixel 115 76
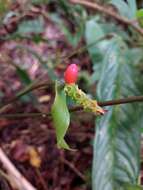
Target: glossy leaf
pixel 61 116
pixel 117 141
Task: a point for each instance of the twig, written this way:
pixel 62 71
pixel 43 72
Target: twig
pixel 26 90
pixel 16 178
pixel 131 99
pixel 25 115
pixel 74 169
pixel 42 181
pixel 85 47
pixel 109 12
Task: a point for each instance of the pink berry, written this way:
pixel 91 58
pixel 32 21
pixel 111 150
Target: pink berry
pixel 71 74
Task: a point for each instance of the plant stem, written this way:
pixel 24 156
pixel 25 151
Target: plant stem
pixel 109 12
pixel 26 90
pixel 131 99
pixel 25 115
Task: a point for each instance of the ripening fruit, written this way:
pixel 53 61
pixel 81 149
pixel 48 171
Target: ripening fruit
pixel 71 74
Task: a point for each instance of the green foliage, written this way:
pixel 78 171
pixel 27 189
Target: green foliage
pixel 4 4
pixel 117 141
pixel 76 16
pixel 127 9
pixel 60 115
pixel 31 26
pixel 23 75
pixel 132 187
pixel 139 15
pixel 25 79
pixel 37 2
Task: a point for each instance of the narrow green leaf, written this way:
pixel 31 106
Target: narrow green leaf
pixel 25 79
pixel 61 116
pixel 23 75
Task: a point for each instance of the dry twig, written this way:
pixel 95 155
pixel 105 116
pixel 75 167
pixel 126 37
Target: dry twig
pixel 15 177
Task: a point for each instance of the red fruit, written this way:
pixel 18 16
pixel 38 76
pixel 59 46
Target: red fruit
pixel 71 74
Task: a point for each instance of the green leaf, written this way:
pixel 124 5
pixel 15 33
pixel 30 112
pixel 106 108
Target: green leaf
pixel 133 7
pixel 31 26
pixel 139 15
pixel 61 116
pixel 132 187
pixel 117 141
pixel 25 79
pixel 23 75
pixel 94 33
pixel 126 9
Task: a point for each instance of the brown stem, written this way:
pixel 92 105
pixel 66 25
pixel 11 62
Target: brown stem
pixel 26 90
pixel 109 12
pixel 131 99
pixel 25 115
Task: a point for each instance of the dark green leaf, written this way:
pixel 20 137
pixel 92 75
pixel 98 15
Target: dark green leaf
pixel 61 116
pixel 25 79
pixel 23 75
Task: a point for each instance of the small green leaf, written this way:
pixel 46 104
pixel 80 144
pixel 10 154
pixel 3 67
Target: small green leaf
pixel 61 116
